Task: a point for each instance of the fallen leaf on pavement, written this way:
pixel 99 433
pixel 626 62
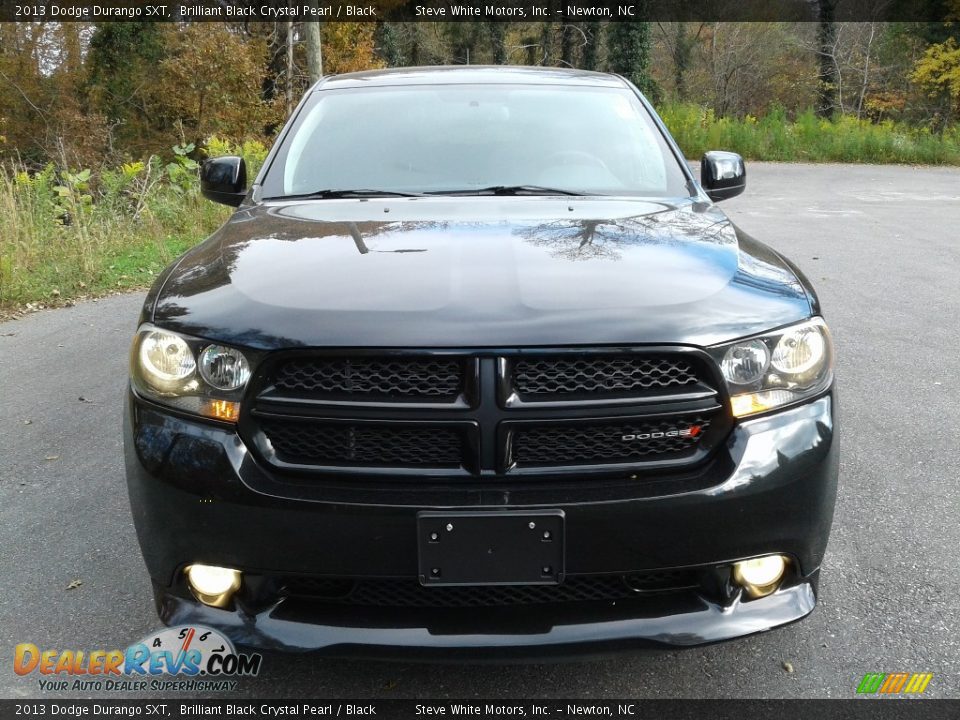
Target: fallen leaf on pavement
pixel 74 584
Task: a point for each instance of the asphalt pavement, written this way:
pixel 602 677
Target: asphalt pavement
pixel 882 246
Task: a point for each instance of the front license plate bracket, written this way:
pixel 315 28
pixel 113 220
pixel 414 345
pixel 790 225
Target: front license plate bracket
pixel 509 547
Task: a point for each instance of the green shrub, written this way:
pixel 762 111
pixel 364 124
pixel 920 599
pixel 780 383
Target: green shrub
pixel 808 138
pixel 66 232
pixel 69 232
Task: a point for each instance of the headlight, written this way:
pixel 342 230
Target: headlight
pixel 745 363
pixel 777 369
pixel 188 373
pixel 224 368
pixel 166 360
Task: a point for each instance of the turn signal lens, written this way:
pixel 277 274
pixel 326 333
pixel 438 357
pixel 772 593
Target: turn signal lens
pixel 760 576
pixel 751 403
pixel 221 410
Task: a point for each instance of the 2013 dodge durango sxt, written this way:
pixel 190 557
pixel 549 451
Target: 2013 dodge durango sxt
pixel 477 367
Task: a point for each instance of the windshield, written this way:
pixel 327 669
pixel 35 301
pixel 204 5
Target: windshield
pixel 462 138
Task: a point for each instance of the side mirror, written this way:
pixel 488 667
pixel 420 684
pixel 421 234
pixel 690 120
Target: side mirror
pixel 722 174
pixel 224 180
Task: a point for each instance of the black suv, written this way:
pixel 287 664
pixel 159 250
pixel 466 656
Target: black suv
pixel 477 366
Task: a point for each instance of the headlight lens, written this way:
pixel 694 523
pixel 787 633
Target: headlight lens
pixel 224 368
pixel 745 363
pixel 777 369
pixel 166 360
pixel 188 373
pixel 799 351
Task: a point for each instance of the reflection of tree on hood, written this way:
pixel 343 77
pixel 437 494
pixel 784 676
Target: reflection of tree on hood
pixel 603 239
pixel 579 240
pixel 360 240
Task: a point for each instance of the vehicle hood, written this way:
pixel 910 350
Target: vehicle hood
pixel 477 272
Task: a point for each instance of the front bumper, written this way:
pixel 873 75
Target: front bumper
pixel 198 495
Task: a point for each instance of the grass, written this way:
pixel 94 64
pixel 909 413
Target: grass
pixel 69 234
pixel 809 138
pixel 54 248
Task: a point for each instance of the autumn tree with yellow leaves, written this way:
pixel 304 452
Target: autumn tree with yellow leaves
pixel 938 71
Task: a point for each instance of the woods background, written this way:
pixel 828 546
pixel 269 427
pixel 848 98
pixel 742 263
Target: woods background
pixel 85 95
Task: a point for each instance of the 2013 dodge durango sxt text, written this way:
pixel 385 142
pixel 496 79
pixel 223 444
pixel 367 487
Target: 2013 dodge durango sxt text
pixel 478 367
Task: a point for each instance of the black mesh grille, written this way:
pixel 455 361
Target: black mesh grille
pixel 607 442
pixel 539 378
pixel 409 592
pixel 319 443
pixel 414 411
pixel 406 378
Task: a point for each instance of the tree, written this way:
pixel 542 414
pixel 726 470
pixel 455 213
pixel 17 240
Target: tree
pixel 498 41
pixel 751 66
pixel 680 44
pixel 938 73
pixel 628 52
pixel 314 50
pixel 210 84
pixel 566 39
pixel 593 34
pixel 121 64
pixel 463 40
pixel 349 46
pixel 546 42
pixel 828 76
pixel 389 44
pixel 25 95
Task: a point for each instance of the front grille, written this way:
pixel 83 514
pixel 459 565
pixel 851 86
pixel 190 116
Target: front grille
pixel 304 442
pixel 410 593
pixel 371 378
pixel 607 442
pixel 551 377
pixel 495 415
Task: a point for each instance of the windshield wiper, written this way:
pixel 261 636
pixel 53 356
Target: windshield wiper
pixel 508 190
pixel 490 190
pixel 334 194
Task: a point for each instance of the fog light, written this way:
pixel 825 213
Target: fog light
pixel 760 576
pixel 212 585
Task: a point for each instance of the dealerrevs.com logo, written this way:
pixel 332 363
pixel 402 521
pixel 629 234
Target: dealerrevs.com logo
pixel 189 658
